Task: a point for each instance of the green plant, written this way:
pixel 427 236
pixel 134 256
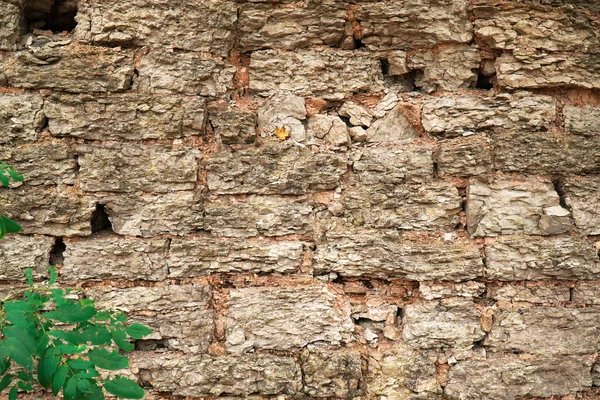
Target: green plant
pixel 7 173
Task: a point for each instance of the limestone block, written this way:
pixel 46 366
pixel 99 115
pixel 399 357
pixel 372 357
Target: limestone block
pixel 393 127
pixel 205 26
pixel 356 114
pixel 21 117
pixel 506 25
pixel 393 165
pixel 206 255
pixel 330 128
pixel 530 293
pixel 265 25
pixel 465 115
pixel 538 258
pixel 231 124
pixel 258 215
pixel 582 120
pixel 358 252
pixel 331 74
pixel 544 331
pixel 177 213
pixel 506 207
pixel 18 252
pixel 164 72
pixel 43 163
pixel 510 377
pixel 435 290
pixel 283 110
pixel 106 256
pixel 114 117
pixel 413 24
pixel 401 373
pixel 284 318
pixel 275 169
pixel 12 24
pixel 532 70
pixel 582 195
pixel 449 68
pixel 586 293
pixel 544 153
pixel 429 207
pixel 194 375
pixel 446 323
pixel 464 157
pixel 71 68
pixel 331 373
pixel 177 314
pixel 48 211
pixel 135 167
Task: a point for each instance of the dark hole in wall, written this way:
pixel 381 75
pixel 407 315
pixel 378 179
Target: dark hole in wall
pixel 358 44
pixel 100 221
pixel 147 345
pixel 57 256
pixel 484 82
pixel 53 15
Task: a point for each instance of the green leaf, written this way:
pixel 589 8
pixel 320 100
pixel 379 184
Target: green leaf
pixel 97 335
pixel 71 313
pixel 4 179
pixel 72 349
pixel 24 376
pixel 90 373
pixel 15 175
pixel 18 305
pixel 79 363
pixel 29 275
pixel 10 225
pixel 70 388
pixel 73 337
pixel 47 366
pixel 121 340
pixel 103 315
pixel 53 275
pixel 26 386
pixel 12 395
pixel 138 331
pixel 6 381
pixel 123 387
pixel 21 335
pixel 110 360
pixel 4 365
pixel 19 353
pixel 59 378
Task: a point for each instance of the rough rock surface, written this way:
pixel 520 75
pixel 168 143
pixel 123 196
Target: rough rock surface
pixel 12 24
pixel 582 195
pixel 283 318
pixel 515 207
pixel 331 373
pixel 393 165
pixel 530 293
pixel 21 117
pixel 394 127
pixel 582 120
pixel 19 252
pixel 464 157
pixel 232 124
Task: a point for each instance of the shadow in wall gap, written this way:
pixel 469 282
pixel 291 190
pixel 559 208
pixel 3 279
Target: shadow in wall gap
pixel 57 253
pixel 100 220
pixel 54 15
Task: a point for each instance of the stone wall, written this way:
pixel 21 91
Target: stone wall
pixel 344 199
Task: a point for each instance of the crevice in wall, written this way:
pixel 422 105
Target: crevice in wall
pixel 484 82
pixel 57 253
pixel 150 344
pixel 571 292
pixel 562 196
pixel 100 220
pixel 54 15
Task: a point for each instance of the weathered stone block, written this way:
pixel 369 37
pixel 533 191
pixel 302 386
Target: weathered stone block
pixel 284 318
pixel 505 25
pixel 413 24
pixel 258 215
pixel 231 124
pixel 44 163
pixel 544 153
pixel 435 290
pixel 582 120
pixel 582 195
pixel 136 167
pixel 21 117
pixel 18 252
pixel 330 128
pixel 401 373
pixel 506 207
pixel 12 24
pixel 446 323
pixel 291 26
pixel 586 293
pixel 464 157
pixel 394 127
pixel 206 255
pixel 544 331
pixel 329 74
pixel 510 377
pixel 205 26
pixel 393 165
pixel 129 117
pixel 184 73
pixel 533 70
pixel 531 292
pixel 465 115
pixel 177 314
pixel 178 213
pixel 331 373
pixel 187 375
pixel 106 256
pixel 537 258
pixel 431 207
pixel 356 252
pixel 274 169
pixel 49 211
pixel 73 68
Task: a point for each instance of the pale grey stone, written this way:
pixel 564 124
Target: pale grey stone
pixel 130 117
pixel 586 293
pixel 19 252
pixel 330 128
pixel 331 74
pixel 331 373
pixel 284 318
pixel 137 167
pixel 505 207
pixel 357 114
pixel 582 120
pixel 206 26
pixel 231 124
pixel 582 195
pixel 162 72
pixel 446 323
pixel 532 293
pixel 106 256
pixel 465 115
pixel 258 215
pixel 463 157
pixel 394 127
pixel 200 256
pixel 358 252
pixel 12 24
pixel 279 168
pixel 283 110
pixel 539 258
pixel 435 290
pixel 21 117
pixel 393 165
